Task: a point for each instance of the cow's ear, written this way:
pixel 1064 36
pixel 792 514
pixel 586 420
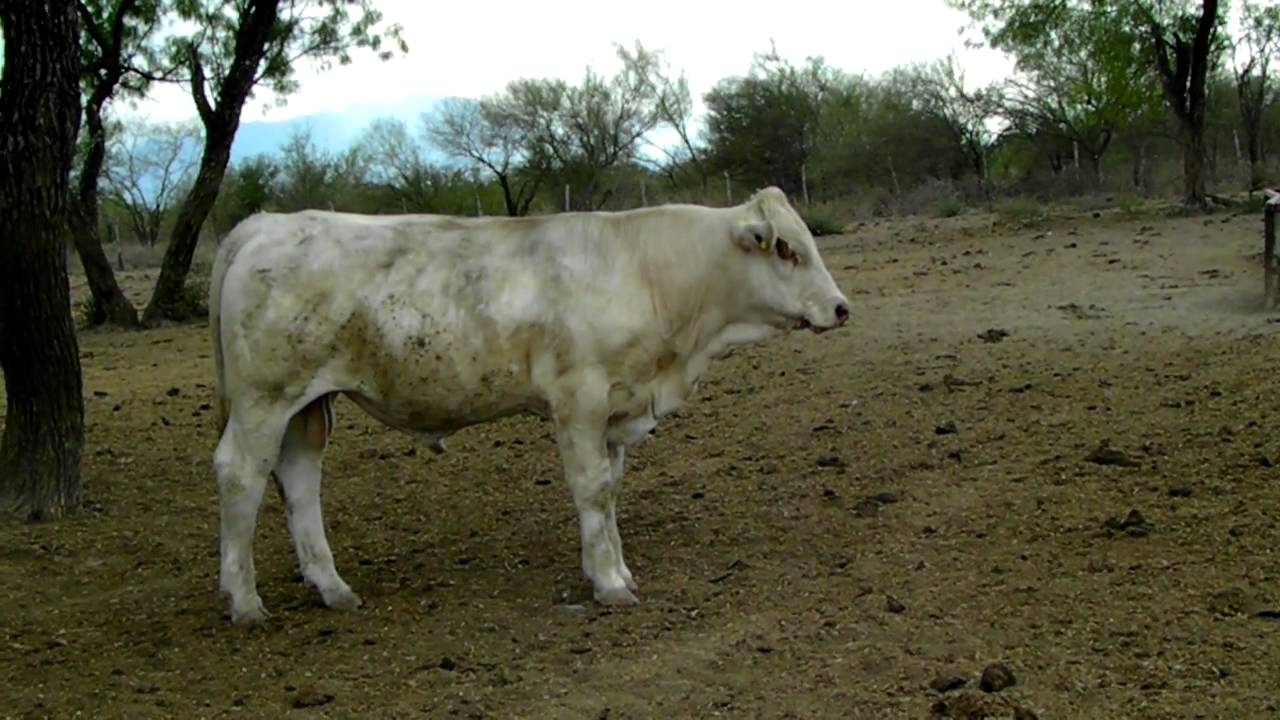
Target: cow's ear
pixel 757 235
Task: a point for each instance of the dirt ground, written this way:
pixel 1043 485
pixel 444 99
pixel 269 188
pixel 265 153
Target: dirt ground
pixel 838 527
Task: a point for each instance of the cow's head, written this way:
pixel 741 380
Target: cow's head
pixel 786 285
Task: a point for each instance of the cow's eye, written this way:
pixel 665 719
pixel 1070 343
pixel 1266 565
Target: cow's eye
pixel 786 253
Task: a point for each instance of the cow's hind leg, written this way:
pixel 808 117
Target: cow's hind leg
pixel 617 461
pixel 242 462
pixel 299 474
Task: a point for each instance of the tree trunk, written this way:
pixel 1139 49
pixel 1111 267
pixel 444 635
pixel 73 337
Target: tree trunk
pixel 508 198
pixel 221 121
pixel 167 298
pixel 43 437
pixel 109 302
pixel 1095 170
pixel 1140 165
pixel 1193 188
pixel 1256 173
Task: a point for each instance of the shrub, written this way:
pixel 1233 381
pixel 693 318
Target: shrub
pixel 1021 213
pixel 949 208
pixel 821 222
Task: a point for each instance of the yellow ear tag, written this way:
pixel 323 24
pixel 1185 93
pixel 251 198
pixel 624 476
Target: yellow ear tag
pixel 764 244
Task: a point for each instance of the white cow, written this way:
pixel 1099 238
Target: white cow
pixel 601 322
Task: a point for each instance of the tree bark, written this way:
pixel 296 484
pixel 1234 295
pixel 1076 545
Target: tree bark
pixel 43 438
pixel 1193 158
pixel 1253 142
pixel 1140 165
pixel 167 298
pixel 110 303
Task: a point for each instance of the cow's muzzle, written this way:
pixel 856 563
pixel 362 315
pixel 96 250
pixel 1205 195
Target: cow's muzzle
pixel 839 314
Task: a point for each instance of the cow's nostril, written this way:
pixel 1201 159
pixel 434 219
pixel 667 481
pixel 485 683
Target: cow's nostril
pixel 842 313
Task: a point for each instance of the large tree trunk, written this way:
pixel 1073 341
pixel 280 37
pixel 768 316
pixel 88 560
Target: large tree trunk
pixel 167 301
pixel 1193 158
pixel 109 302
pixel 39 119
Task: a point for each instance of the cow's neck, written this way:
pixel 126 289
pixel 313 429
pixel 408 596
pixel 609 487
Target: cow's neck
pixel 710 335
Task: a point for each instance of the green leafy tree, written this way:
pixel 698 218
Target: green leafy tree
pixel 1175 39
pixel 762 128
pixel 247 188
pixel 585 134
pixel 235 48
pixel 1083 81
pixel 311 178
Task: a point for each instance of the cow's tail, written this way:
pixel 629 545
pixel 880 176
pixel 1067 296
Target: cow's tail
pixel 222 260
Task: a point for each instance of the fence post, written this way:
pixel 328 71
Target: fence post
pixel 804 184
pixel 566 197
pixel 404 206
pixel 728 190
pixel 1270 273
pixel 644 198
pixel 479 207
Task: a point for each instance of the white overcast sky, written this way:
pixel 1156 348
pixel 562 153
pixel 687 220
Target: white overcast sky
pixel 475 48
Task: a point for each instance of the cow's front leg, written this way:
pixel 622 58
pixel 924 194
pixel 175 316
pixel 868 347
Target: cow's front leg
pixel 617 459
pixel 589 471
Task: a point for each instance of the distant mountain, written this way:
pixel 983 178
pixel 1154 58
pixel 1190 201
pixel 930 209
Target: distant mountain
pixel 331 131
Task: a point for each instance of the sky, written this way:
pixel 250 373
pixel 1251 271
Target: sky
pixel 473 49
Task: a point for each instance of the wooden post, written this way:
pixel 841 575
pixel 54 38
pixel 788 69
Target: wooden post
pixel 804 185
pixel 1270 272
pixel 566 197
pixel 728 190
pixel 479 207
pixel 644 199
pixel 404 206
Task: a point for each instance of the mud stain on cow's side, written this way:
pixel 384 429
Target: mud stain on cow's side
pixel 369 357
pixel 393 255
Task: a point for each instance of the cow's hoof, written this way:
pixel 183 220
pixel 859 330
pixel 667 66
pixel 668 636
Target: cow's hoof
pixel 630 581
pixel 616 597
pixel 249 613
pixel 342 599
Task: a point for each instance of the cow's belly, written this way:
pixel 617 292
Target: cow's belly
pixel 434 397
pixel 424 417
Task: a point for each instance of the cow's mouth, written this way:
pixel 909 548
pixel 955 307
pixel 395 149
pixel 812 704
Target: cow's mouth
pixel 803 323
